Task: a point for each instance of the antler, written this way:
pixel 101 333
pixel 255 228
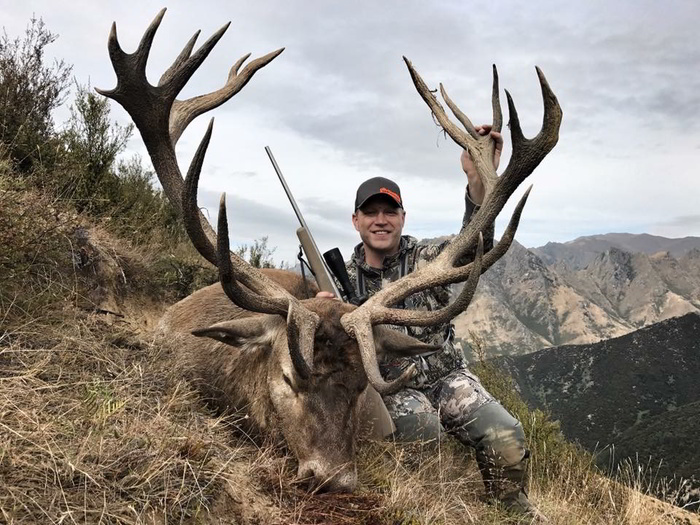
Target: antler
pixel 161 119
pixel 446 268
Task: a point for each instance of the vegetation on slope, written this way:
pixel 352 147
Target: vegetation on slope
pixel 632 398
pixel 668 444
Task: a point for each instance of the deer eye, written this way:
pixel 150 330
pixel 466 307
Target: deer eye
pixel 288 381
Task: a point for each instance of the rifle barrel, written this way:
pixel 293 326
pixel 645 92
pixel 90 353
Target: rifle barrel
pixel 296 209
pixel 320 279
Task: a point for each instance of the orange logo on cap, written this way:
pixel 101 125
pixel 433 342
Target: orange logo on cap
pixel 392 194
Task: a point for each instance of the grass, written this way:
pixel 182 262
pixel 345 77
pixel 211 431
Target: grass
pixel 97 424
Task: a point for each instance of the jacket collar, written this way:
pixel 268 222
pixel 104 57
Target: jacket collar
pixel 406 244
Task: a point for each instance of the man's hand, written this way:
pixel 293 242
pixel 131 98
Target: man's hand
pixel 326 295
pixel 476 188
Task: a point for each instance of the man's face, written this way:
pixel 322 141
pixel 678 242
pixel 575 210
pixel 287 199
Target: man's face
pixel 380 222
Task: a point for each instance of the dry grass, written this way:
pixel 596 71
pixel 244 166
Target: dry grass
pixel 95 426
pixel 98 426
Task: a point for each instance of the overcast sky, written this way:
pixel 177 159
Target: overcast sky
pixel 338 106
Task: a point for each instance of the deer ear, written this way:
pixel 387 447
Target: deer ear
pixel 241 331
pixel 393 343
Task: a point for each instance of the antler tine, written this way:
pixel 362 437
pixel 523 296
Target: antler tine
pixel 190 209
pixel 229 277
pixel 243 272
pixel 182 74
pixel 201 237
pixel 301 329
pixel 552 110
pixel 360 327
pixel 301 323
pixel 516 132
pixel 459 136
pixel 458 113
pixel 528 153
pixel 235 67
pixel 116 55
pixel 497 123
pixel 184 111
pixel 144 49
pixel 181 58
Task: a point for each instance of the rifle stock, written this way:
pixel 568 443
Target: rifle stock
pixel 323 278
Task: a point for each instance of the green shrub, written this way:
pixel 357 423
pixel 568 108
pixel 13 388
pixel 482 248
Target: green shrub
pixel 36 257
pixel 30 90
pixel 91 145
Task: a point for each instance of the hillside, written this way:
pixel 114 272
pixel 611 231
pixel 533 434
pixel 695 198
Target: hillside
pixel 667 443
pixel 577 254
pixel 638 392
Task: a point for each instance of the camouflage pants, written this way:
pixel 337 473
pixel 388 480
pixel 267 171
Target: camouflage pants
pixel 460 405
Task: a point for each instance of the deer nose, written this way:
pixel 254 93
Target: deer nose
pixel 322 479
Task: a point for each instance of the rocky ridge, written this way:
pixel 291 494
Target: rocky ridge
pixel 580 252
pixel 523 304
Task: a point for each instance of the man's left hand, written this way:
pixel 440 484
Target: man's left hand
pixel 476 188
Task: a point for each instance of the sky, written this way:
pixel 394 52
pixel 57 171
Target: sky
pixel 338 106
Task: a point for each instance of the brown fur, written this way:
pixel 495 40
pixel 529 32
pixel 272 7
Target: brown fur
pixel 317 418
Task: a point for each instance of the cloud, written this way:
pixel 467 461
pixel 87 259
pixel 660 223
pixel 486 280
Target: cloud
pixel 249 220
pixel 680 226
pixel 338 105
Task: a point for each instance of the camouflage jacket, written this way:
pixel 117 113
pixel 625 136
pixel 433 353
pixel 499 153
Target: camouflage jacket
pixel 413 255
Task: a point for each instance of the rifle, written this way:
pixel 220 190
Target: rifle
pixel 333 265
pixel 373 408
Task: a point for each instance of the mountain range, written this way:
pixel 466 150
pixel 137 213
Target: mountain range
pixel 581 251
pixel 580 292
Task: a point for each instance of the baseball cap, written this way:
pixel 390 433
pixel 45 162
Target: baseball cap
pixel 378 186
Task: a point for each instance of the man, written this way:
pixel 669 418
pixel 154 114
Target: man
pixel 444 395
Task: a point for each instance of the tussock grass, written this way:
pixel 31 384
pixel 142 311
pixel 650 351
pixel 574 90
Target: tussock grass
pixel 53 259
pixel 97 424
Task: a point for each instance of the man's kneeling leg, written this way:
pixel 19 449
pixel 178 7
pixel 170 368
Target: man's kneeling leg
pixel 414 416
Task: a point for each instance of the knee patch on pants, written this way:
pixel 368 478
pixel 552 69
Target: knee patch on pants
pixel 418 427
pixel 497 435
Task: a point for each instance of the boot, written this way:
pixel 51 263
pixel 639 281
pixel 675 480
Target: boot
pixel 506 486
